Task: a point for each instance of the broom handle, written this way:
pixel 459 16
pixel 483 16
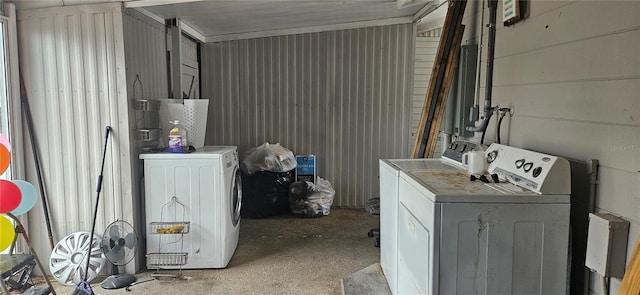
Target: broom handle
pixel 98 189
pixel 26 111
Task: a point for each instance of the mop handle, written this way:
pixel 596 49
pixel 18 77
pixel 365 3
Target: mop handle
pixel 98 189
pixel 104 153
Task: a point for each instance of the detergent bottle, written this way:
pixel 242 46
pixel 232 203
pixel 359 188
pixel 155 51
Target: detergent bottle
pixel 177 138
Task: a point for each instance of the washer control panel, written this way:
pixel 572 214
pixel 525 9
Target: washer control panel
pixel 542 173
pixel 455 149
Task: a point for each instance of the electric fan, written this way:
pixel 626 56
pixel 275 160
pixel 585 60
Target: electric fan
pixel 119 247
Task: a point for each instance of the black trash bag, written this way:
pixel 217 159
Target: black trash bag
pixel 265 193
pixel 307 199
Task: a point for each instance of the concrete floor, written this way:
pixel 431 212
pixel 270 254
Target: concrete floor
pixel 279 255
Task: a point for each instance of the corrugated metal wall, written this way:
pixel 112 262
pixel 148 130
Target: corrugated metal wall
pixel 342 95
pixel 72 60
pixel 145 55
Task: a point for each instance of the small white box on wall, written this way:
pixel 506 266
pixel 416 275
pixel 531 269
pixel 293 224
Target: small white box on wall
pixel 607 244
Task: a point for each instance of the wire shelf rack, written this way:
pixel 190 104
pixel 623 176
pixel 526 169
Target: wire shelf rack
pixel 180 227
pixel 166 259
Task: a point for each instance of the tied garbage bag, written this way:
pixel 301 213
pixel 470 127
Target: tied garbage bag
pixel 269 157
pixel 307 199
pixel 373 206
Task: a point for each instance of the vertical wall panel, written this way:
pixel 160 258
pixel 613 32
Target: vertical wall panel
pixel 342 95
pixel 73 65
pixel 145 56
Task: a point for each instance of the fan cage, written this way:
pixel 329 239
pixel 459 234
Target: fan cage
pixel 125 228
pixel 178 227
pixel 166 258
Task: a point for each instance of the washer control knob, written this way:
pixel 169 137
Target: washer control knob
pixel 536 171
pixel 519 163
pixel 492 156
pixel 527 166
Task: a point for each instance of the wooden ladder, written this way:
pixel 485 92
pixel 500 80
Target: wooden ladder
pixel 441 76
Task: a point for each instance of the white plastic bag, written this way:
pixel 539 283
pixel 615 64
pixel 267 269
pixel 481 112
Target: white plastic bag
pixel 269 157
pixel 311 200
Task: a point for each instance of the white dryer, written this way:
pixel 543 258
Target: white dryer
pixel 389 199
pixel 207 183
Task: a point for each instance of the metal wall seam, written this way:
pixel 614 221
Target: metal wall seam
pixel 342 95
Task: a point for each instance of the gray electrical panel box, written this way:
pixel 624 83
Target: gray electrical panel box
pixel 607 244
pixel 462 93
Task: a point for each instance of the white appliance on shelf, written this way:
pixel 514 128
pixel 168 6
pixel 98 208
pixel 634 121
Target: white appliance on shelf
pixel 457 236
pixel 389 199
pixel 207 183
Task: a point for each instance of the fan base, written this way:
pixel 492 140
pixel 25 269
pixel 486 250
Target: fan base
pixel 118 281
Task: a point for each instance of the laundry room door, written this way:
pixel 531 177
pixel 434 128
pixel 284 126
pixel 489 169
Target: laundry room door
pixel 190 68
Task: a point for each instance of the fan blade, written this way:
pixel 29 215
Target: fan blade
pixel 116 254
pixel 130 240
pixel 114 232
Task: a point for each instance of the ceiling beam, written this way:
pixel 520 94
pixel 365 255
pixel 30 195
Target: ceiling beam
pixel 147 3
pixel 428 8
pixel 314 29
pixel 186 28
pixel 192 32
pixel 151 15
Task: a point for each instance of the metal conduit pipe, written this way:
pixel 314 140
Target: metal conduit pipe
pixel 488 109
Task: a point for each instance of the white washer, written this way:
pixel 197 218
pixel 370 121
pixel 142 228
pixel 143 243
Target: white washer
pixel 389 199
pixel 207 183
pixel 456 236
